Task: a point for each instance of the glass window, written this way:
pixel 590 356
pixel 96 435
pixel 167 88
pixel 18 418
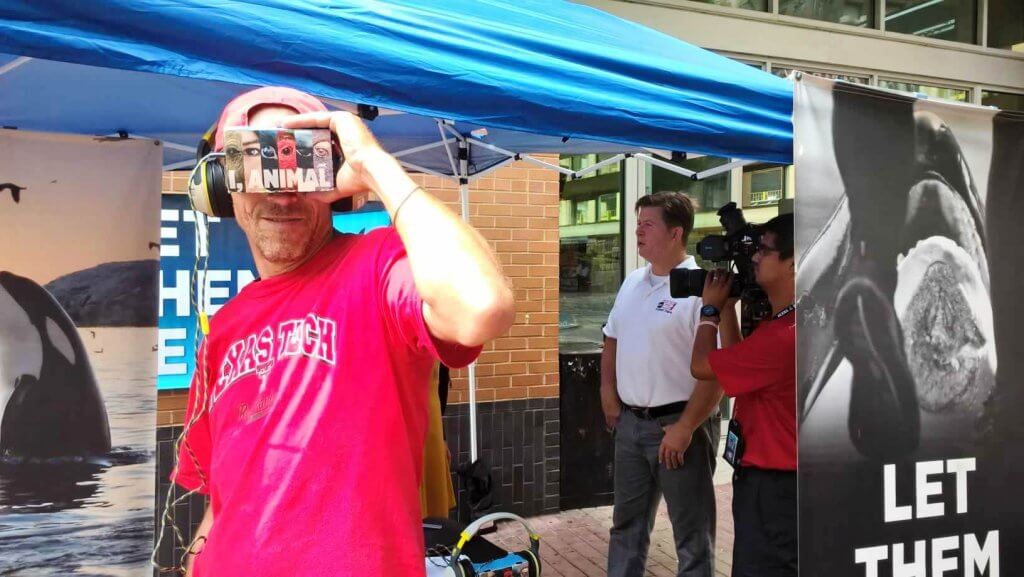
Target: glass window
pixel 590 258
pixel 564 212
pixel 1003 100
pixel 763 186
pixel 586 211
pixel 784 72
pixel 851 12
pixel 711 193
pixel 760 5
pixel 940 92
pixel 751 63
pixel 1006 24
pixel 945 19
pixel 608 207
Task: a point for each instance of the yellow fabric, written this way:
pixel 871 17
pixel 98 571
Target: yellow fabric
pixel 437 494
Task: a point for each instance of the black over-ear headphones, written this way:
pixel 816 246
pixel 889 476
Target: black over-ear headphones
pixel 208 188
pixel 464 568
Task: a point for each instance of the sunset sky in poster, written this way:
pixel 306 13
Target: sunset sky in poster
pixel 65 219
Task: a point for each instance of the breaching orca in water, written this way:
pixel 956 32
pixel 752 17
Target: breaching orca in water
pixel 50 405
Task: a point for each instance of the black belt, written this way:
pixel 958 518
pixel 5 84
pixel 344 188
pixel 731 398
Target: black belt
pixel 649 413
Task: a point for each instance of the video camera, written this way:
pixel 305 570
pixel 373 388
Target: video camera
pixel 738 245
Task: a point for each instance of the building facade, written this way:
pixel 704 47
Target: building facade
pixel 969 51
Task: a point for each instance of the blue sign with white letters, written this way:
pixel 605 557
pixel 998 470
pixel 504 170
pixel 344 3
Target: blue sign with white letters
pixel 229 269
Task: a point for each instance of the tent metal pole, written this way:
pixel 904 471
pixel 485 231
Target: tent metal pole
pixel 491 147
pixel 407 151
pixel 471 370
pixel 666 154
pixel 517 156
pixel 548 165
pixel 723 168
pixel 14 64
pixel 450 127
pixel 501 164
pixel 463 175
pixel 165 143
pixel 451 160
pixel 666 165
pixel 418 168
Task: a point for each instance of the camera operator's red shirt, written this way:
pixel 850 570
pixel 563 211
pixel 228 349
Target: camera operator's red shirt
pixel 760 372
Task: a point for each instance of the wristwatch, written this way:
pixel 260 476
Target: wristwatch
pixel 709 311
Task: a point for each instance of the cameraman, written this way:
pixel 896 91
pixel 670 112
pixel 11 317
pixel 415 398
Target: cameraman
pixel 760 372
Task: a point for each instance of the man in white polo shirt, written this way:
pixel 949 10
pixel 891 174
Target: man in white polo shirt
pixel 645 385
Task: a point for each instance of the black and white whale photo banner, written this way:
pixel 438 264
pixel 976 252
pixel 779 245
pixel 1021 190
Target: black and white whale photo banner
pixel 910 344
pixel 79 265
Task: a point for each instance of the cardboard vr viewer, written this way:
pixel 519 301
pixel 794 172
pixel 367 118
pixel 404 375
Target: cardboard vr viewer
pixel 278 160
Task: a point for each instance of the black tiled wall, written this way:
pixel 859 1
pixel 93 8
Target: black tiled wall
pixel 187 514
pixel 519 441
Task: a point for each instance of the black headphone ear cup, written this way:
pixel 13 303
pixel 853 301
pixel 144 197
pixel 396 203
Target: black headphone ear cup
pixel 203 148
pixel 349 203
pixel 342 205
pixel 198 193
pixel 217 191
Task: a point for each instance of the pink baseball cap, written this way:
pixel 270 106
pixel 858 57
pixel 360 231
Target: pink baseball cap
pixel 236 113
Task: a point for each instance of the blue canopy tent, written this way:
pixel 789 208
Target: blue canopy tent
pixel 525 77
pixel 461 86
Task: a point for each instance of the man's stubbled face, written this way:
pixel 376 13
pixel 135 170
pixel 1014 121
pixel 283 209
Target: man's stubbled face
pixel 284 229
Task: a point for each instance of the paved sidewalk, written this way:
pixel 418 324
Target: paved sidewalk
pixel 575 543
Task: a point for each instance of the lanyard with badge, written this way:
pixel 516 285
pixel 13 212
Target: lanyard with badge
pixel 784 312
pixel 734 442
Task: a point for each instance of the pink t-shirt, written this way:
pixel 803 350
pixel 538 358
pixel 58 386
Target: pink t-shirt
pixel 311 445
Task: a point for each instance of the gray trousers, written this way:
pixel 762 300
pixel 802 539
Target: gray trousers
pixel 640 482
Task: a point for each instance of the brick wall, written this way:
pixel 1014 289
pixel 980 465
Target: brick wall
pixel 516 209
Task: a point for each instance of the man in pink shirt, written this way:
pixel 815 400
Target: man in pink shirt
pixel 308 411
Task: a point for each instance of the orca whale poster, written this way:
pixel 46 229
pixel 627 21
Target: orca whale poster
pixel 79 219
pixel 910 350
